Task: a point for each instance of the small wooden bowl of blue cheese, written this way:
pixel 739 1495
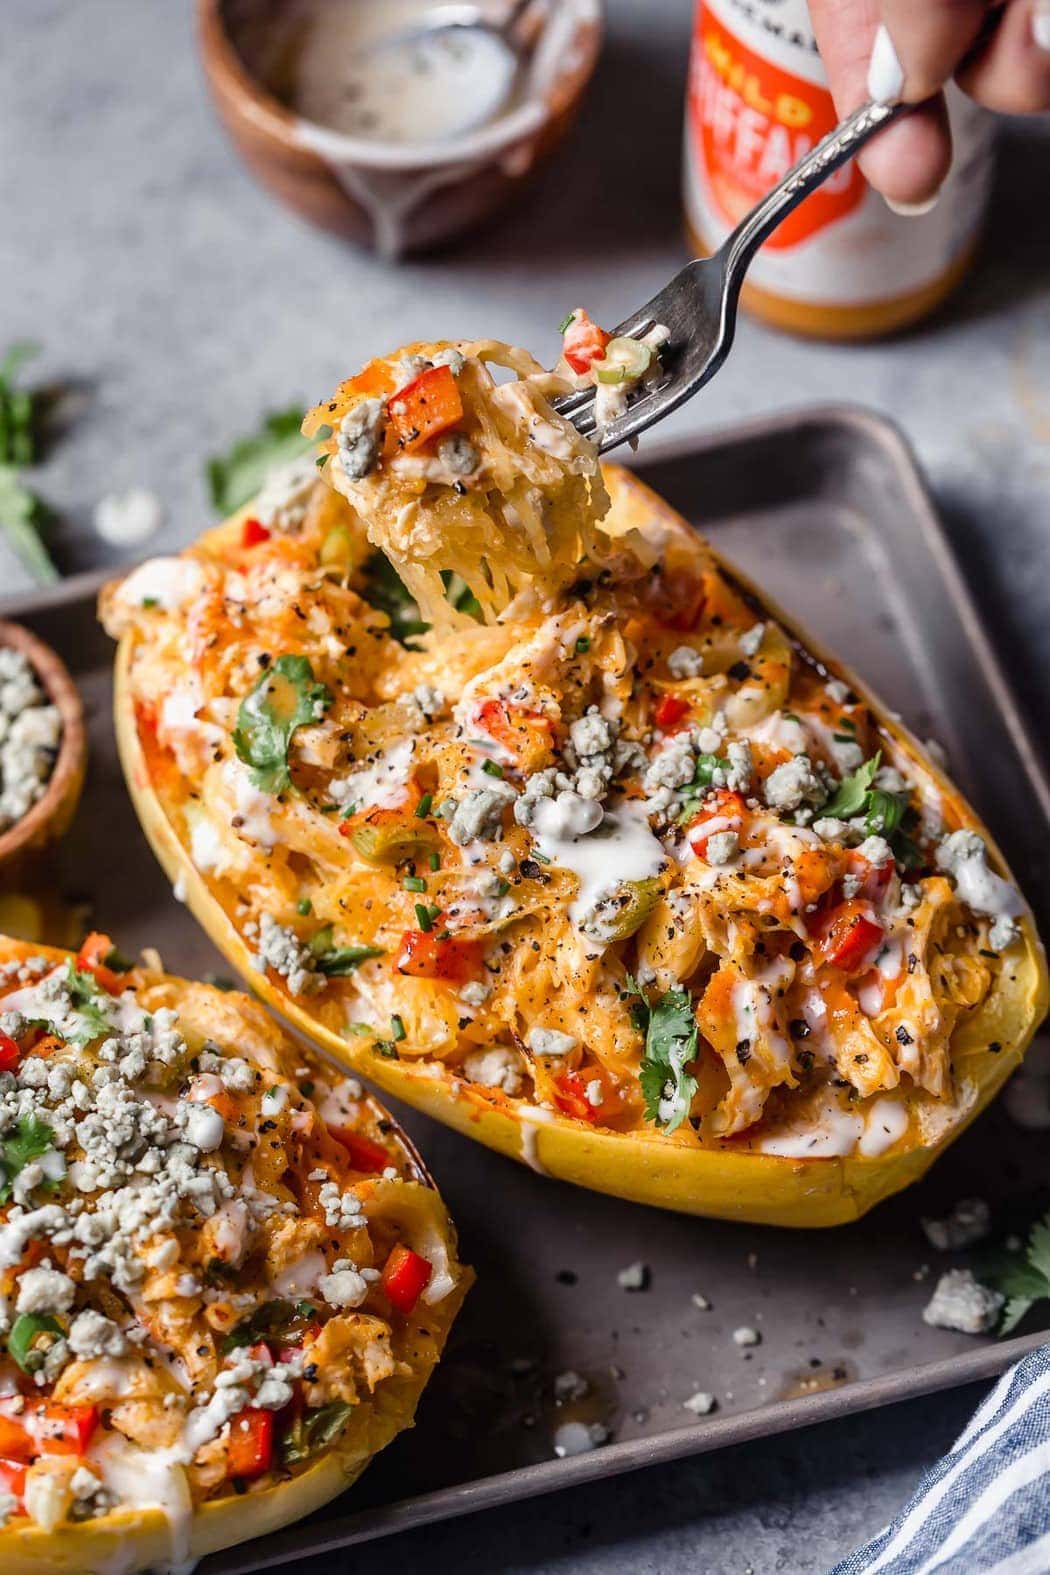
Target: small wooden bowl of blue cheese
pixel 43 746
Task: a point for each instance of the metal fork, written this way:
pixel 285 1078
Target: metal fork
pixel 699 305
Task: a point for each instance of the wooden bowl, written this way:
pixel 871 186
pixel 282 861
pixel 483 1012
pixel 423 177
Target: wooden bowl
pixel 392 197
pixel 48 819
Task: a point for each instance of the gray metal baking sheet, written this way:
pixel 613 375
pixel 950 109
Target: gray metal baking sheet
pixel 827 511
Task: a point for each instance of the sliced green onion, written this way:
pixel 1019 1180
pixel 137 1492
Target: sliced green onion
pixel 625 360
pixel 566 321
pixel 415 883
pixel 397 1027
pixel 492 768
pixel 425 916
pixel 423 807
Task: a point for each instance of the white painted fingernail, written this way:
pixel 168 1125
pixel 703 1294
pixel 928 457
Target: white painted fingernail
pixel 912 210
pixel 885 76
pixel 1041 24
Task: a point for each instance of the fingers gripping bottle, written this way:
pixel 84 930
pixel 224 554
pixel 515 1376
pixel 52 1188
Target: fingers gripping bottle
pixel 843 265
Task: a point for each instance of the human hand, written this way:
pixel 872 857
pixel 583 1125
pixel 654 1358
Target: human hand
pixel 998 51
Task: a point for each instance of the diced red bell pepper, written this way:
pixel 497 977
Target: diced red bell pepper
pixel 404 1278
pixel 253 532
pixel 583 342
pixel 687 599
pixel 60 1429
pixel 365 1153
pixel 850 937
pixel 570 1096
pixel 261 1352
pixel 428 405
pixel 15 1442
pixel 13 1478
pixel 520 732
pixel 250 1450
pixel 423 955
pixel 10 1055
pixel 722 811
pixel 873 878
pixel 92 959
pixel 670 709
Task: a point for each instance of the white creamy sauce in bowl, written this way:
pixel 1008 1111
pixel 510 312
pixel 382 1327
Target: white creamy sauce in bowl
pixel 375 72
pixel 362 68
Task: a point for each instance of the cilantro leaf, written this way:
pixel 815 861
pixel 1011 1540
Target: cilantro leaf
pixel 852 794
pixel 30 1138
pixel 883 812
pixel 384 590
pixel 22 516
pixel 90 1002
pixel 671 1041
pixel 235 477
pixel 285 698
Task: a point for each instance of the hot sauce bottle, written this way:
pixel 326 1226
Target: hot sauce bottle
pixel 843 265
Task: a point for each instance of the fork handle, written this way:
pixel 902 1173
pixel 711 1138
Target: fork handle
pixel 847 138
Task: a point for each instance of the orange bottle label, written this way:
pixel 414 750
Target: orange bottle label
pixel 751 120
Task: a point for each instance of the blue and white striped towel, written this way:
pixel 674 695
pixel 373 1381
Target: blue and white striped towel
pixel 985 1508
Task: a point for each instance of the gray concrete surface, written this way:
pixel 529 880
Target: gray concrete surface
pixel 178 302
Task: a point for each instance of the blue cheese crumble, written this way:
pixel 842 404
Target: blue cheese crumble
pixel 30 733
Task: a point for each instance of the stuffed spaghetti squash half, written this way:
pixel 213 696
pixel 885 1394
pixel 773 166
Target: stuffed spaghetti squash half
pixel 226 1276
pixel 577 843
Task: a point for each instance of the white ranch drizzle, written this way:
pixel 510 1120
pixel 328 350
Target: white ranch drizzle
pixel 886 1124
pixel 622 849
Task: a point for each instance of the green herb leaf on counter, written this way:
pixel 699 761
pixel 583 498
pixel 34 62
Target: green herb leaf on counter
pixel 22 517
pixel 1022 1277
pixel 671 1042
pixel 235 477
pixel 17 445
pixel 285 698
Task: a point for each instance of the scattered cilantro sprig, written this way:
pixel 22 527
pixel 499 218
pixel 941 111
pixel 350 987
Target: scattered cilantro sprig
pixel 236 476
pixel 671 1042
pixel 22 514
pixel 286 697
pixel 883 811
pixel 1022 1277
